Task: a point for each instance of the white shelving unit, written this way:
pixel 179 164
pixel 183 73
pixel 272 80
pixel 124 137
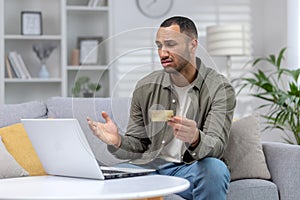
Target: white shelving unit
pixel 63 21
pixel 84 21
pixel 2 61
pixel 16 90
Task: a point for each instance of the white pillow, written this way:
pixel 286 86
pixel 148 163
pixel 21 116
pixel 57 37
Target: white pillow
pixel 9 167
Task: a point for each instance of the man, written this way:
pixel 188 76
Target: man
pixel 189 144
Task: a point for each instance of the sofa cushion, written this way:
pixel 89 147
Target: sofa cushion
pixel 244 153
pixel 249 189
pixel 12 113
pixel 80 108
pixel 9 167
pixel 19 146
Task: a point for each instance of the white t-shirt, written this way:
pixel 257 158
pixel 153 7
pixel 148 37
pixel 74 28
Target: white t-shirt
pixel 174 150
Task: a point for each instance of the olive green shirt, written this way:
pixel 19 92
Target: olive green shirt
pixel 212 106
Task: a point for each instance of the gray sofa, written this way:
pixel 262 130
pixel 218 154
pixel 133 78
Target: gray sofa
pixel 282 159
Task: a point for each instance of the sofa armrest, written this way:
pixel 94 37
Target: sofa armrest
pixel 283 162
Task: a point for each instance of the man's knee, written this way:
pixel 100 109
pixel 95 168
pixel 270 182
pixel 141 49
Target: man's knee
pixel 209 179
pixel 214 169
pixel 213 180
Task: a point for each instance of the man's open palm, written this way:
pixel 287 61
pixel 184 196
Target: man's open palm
pixel 107 132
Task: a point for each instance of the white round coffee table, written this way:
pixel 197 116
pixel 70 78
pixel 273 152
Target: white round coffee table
pixel 63 188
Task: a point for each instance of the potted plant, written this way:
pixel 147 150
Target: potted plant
pixel 279 88
pixel 85 86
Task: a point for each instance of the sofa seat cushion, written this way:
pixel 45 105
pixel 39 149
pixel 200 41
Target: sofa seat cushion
pixel 249 189
pixel 12 113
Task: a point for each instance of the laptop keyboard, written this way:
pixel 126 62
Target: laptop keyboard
pixel 106 171
pixel 112 174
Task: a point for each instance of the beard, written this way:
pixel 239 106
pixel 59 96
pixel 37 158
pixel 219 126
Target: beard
pixel 170 70
pixel 177 68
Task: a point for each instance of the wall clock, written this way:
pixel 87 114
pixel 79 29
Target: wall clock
pixel 154 8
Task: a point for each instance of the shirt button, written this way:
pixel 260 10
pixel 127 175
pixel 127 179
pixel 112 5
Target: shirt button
pixel 194 154
pixel 163 142
pixel 173 101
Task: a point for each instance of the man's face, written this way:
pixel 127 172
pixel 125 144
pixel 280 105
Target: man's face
pixel 173 48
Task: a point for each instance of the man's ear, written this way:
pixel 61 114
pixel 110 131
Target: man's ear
pixel 194 44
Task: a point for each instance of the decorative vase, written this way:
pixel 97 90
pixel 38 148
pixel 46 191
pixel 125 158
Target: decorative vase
pixel 44 73
pixel 43 51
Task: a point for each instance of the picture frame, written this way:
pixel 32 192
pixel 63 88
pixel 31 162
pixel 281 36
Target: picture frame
pixel 88 50
pixel 31 23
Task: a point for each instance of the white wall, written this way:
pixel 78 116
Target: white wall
pixel 293 31
pixel 275 25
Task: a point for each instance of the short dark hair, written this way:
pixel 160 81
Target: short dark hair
pixel 186 25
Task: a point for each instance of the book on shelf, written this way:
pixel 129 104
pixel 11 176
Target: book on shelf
pixel 18 66
pixel 9 72
pixel 13 65
pixel 24 68
pixel 90 3
pixel 93 3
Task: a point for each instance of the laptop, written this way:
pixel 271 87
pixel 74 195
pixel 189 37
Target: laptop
pixel 63 150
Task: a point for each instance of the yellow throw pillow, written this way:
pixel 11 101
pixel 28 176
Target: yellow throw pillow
pixel 19 146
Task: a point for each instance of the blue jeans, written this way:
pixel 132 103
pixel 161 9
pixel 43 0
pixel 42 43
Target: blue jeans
pixel 209 178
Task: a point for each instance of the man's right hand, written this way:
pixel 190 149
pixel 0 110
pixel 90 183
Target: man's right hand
pixel 107 132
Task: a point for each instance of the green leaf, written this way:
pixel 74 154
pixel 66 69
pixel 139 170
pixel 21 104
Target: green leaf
pixel 261 75
pixel 257 61
pixel 272 59
pixel 294 90
pixel 294 73
pixel 280 57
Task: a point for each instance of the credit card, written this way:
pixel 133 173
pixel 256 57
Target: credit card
pixel 161 115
